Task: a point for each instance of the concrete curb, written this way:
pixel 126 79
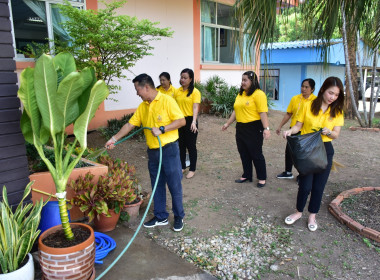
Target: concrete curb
pixel 337 212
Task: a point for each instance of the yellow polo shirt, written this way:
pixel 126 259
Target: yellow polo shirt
pixel 313 123
pixel 248 108
pixel 162 111
pixel 170 91
pixel 185 102
pixel 295 104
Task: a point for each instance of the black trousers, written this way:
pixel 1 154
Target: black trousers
pixel 249 140
pixel 188 140
pixel 314 183
pixel 288 158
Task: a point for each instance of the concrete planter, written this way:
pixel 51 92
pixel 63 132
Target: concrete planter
pixel 74 263
pixel 44 182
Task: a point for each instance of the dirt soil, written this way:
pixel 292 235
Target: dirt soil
pixel 213 201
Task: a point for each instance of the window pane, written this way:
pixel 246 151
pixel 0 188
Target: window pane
pixel 29 21
pixel 269 82
pixel 57 19
pixel 229 53
pixel 208 13
pixel 209 50
pixel 225 15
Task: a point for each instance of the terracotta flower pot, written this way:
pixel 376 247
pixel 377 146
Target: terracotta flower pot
pixel 145 197
pixel 104 223
pixel 133 210
pixel 74 263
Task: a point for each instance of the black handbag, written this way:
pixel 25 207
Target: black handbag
pixel 308 152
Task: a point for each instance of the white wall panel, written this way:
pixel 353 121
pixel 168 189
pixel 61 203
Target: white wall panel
pixel 169 54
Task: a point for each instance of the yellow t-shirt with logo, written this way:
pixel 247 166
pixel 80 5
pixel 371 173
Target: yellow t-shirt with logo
pixel 185 102
pixel 171 90
pixel 248 108
pixel 312 123
pixel 162 111
pixel 295 105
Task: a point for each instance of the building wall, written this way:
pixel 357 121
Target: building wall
pixel 169 54
pixel 289 84
pixel 232 78
pixel 292 75
pixel 13 163
pixel 319 74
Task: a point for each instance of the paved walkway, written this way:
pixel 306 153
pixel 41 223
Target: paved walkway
pixel 146 260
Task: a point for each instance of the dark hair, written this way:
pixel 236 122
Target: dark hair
pixel 191 76
pixel 337 106
pixel 144 79
pixel 255 83
pixel 166 75
pixel 311 83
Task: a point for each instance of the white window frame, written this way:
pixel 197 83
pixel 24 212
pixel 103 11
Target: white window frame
pixel 49 24
pixel 218 27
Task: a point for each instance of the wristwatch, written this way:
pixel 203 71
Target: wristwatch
pixel 267 128
pixel 162 129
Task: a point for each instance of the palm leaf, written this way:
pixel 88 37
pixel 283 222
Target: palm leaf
pixel 67 97
pixel 65 62
pixel 99 92
pixel 45 86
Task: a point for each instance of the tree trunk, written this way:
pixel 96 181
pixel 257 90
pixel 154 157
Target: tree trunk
pixel 352 43
pixel 362 87
pixel 348 67
pixel 372 100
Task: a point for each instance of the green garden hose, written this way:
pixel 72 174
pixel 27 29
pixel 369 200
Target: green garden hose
pixel 147 208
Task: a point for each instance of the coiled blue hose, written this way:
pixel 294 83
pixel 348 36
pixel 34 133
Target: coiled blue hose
pixel 104 245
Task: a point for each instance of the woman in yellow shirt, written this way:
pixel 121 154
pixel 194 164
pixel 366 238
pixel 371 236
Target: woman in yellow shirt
pixel 326 113
pixel 307 89
pixel 188 99
pixel 250 113
pixel 166 86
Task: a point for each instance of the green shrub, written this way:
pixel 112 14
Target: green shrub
pixel 114 125
pixel 223 102
pixel 36 164
pixel 221 95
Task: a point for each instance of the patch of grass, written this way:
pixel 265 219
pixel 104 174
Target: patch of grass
pixel 215 206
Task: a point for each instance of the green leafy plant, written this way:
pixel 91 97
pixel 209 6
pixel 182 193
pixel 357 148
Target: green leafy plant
pixel 111 191
pixel 18 230
pixel 108 42
pixel 55 95
pixel 223 102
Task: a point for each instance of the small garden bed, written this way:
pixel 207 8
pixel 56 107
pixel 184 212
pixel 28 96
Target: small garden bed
pixel 358 208
pixel 364 208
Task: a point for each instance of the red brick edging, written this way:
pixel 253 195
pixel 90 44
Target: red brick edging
pixel 370 129
pixel 337 212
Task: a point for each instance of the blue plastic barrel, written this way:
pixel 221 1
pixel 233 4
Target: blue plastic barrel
pixel 50 216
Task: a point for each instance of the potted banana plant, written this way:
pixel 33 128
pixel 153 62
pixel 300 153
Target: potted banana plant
pixel 56 95
pixel 18 232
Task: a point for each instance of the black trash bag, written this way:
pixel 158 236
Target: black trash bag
pixel 308 152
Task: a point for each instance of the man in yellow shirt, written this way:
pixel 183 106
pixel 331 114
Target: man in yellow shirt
pixel 162 114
